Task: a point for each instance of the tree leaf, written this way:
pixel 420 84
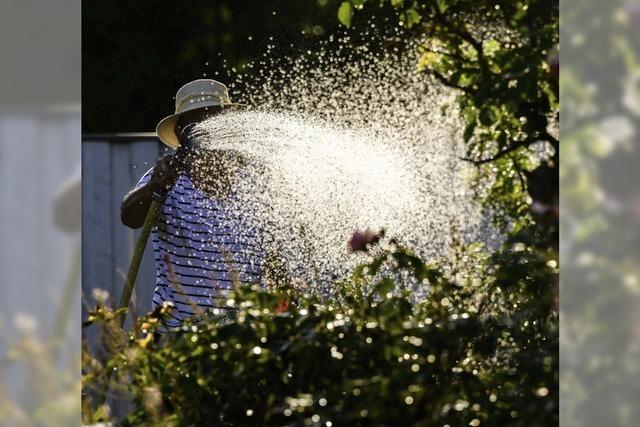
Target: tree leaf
pixel 345 13
pixel 386 285
pixel 412 17
pixel 468 131
pixel 442 5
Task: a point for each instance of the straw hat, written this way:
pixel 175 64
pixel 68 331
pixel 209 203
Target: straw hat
pixel 201 93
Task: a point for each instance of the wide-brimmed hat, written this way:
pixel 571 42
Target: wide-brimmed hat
pixel 201 93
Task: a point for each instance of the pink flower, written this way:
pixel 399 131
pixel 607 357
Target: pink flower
pixel 360 239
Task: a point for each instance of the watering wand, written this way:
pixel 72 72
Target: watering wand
pixel 157 199
pixel 138 252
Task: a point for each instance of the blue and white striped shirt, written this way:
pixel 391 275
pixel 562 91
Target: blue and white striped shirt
pixel 202 245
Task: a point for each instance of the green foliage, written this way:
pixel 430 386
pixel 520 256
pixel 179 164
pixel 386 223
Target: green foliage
pixel 345 13
pixel 496 54
pixel 479 350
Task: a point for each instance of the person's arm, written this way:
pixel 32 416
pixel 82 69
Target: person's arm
pixel 135 204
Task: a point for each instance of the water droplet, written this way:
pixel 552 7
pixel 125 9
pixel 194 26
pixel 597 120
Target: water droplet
pixel 542 391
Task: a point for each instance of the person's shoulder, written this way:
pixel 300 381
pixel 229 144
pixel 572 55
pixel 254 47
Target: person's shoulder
pixel 184 192
pixel 185 187
pixel 148 173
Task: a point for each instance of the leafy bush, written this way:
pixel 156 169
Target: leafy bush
pixel 481 349
pixel 502 60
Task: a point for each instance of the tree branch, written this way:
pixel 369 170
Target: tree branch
pixel 511 148
pixel 500 154
pixel 449 54
pixel 543 136
pixel 448 83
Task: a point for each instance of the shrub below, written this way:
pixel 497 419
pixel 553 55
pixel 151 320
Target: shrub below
pixel 481 349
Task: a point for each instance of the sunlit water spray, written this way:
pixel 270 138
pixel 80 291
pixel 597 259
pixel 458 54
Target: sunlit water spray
pixel 338 142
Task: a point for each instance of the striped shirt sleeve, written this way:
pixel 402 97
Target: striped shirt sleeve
pixel 145 178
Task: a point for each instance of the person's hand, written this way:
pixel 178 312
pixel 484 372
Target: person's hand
pixel 166 172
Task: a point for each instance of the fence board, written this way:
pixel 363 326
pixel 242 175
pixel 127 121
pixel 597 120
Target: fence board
pixel 97 269
pixel 111 167
pixel 144 155
pixel 121 236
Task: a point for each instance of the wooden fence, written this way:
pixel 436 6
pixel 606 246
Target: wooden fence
pixel 111 166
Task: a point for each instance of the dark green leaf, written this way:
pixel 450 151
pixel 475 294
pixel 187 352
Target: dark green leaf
pixel 468 131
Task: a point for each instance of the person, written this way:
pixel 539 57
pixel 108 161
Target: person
pixel 202 242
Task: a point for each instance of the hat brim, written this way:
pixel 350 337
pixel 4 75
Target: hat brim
pixel 166 127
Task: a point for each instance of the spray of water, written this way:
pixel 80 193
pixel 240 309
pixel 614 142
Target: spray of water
pixel 343 139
